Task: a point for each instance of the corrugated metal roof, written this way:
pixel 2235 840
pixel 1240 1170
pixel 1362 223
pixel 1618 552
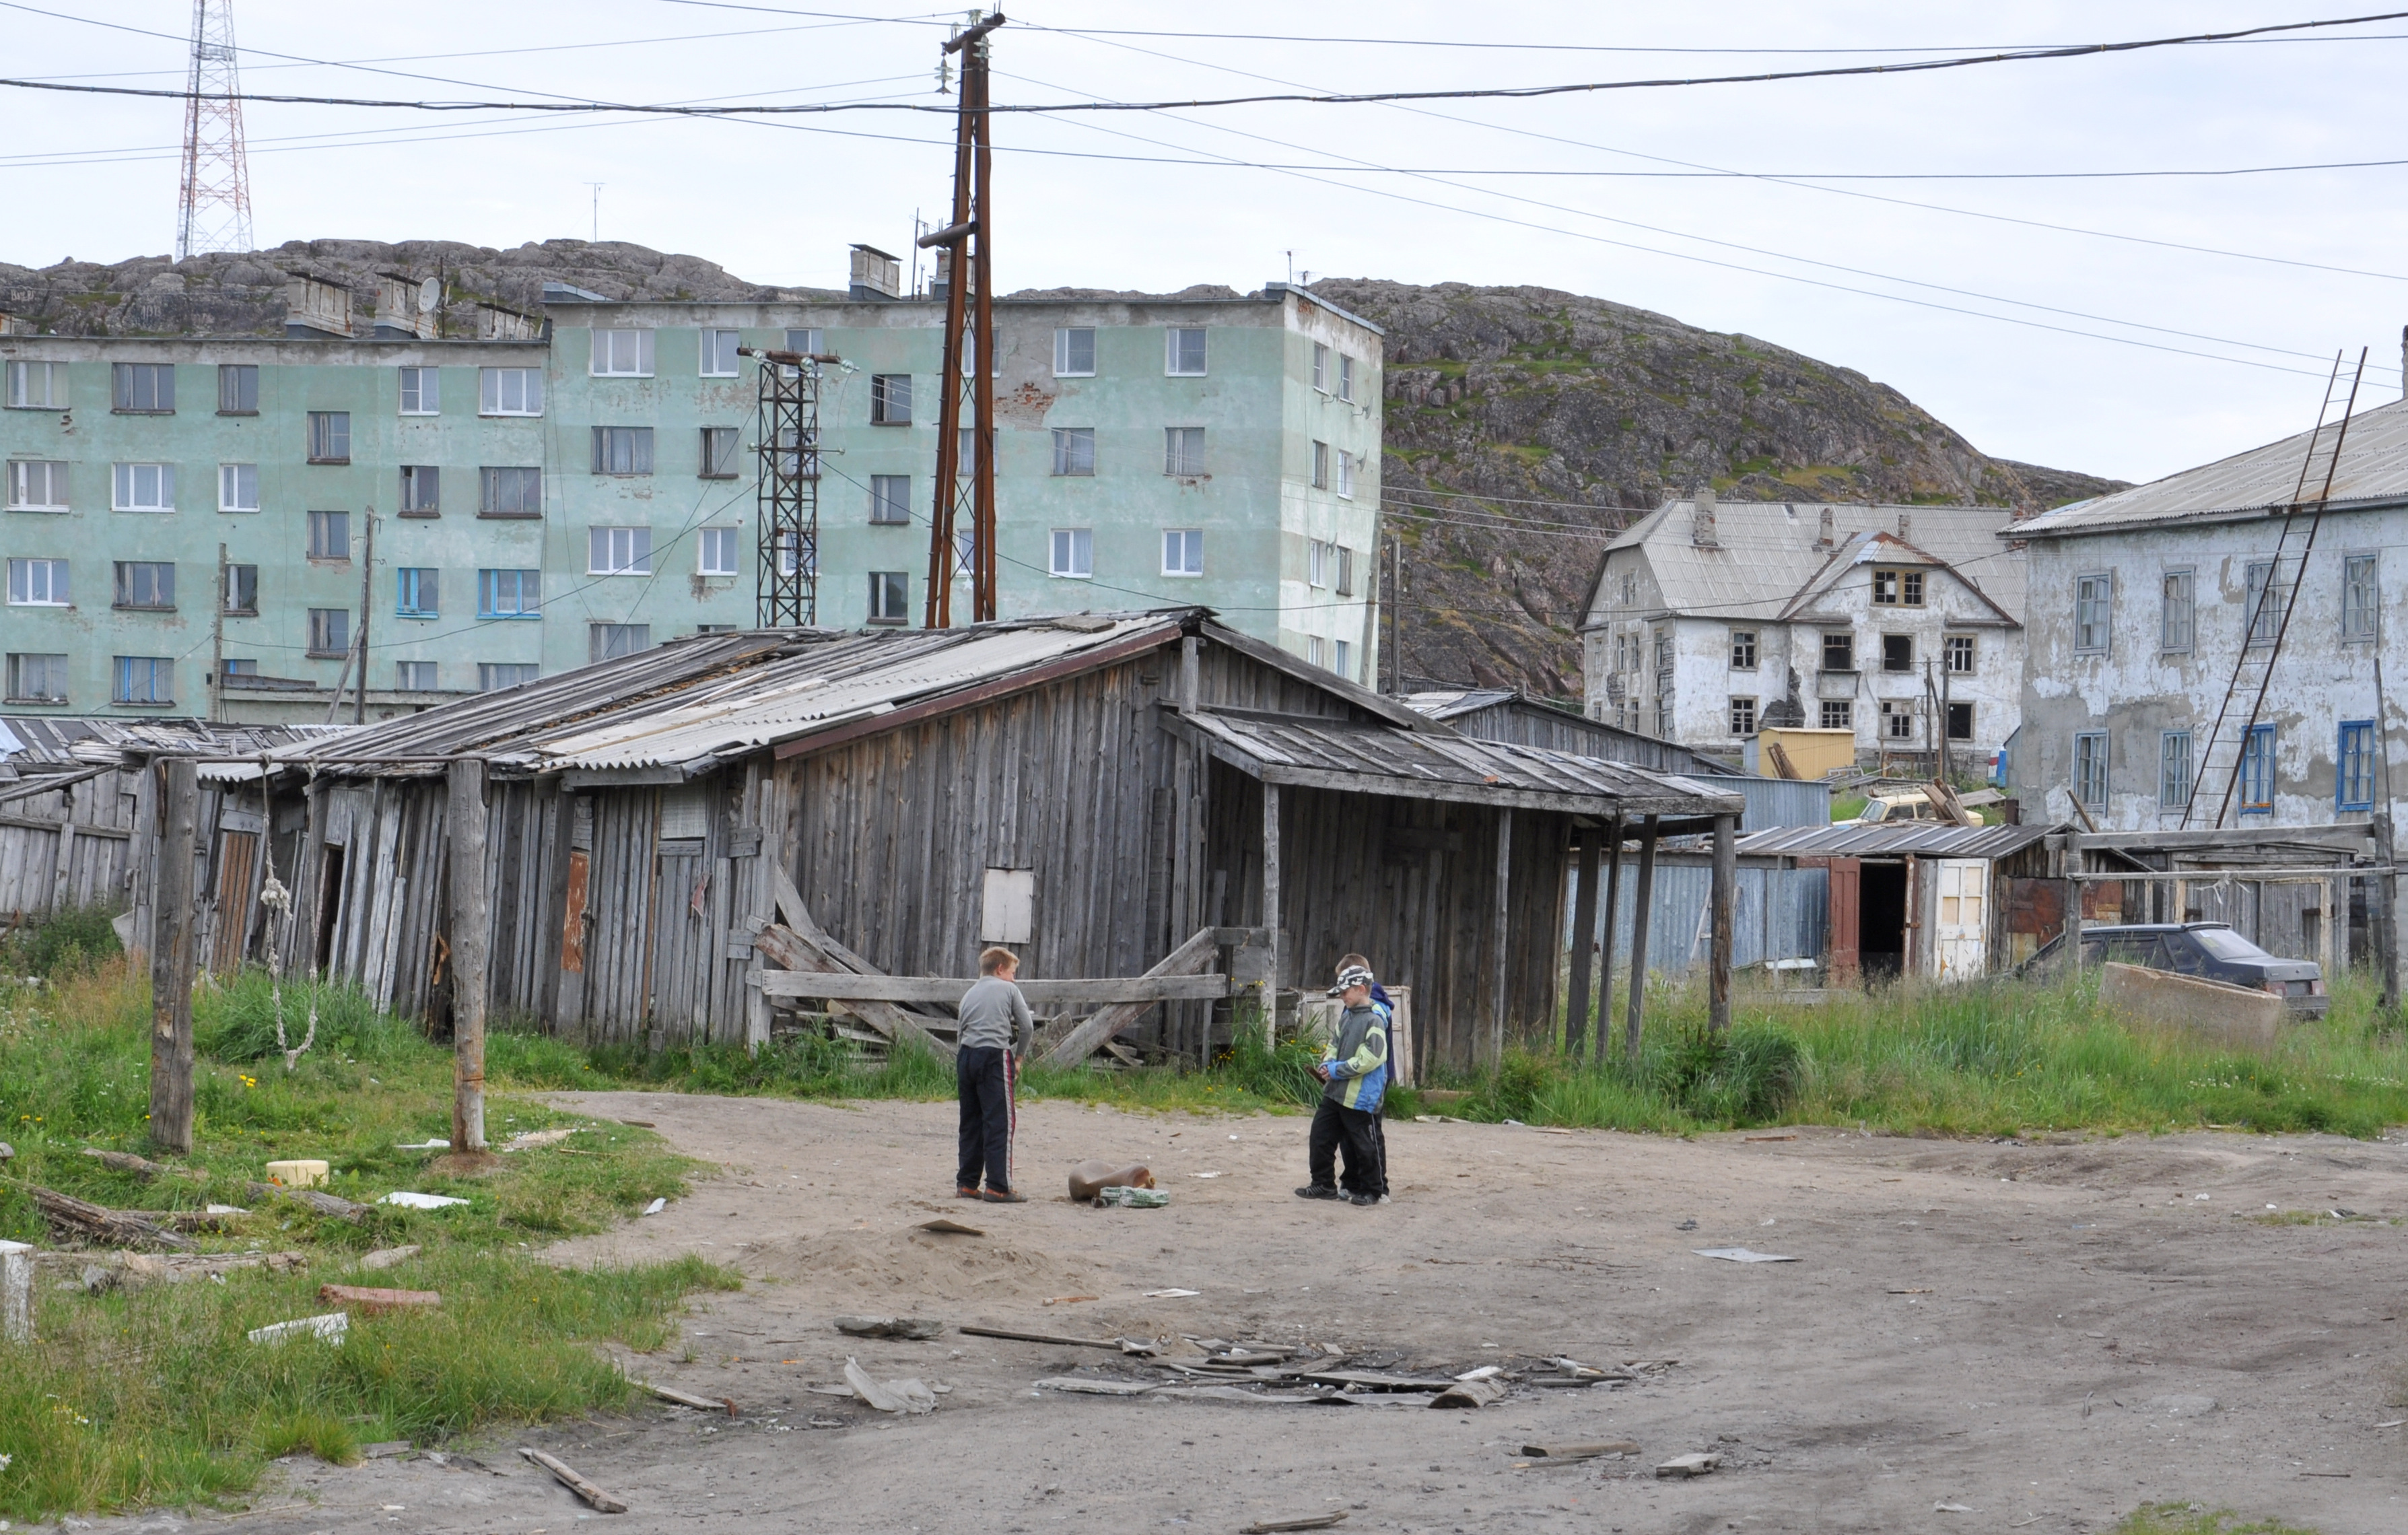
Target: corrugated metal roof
pixel 2374 471
pixel 1893 839
pixel 40 741
pixel 1765 551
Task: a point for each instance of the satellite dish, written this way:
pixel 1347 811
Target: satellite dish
pixel 430 292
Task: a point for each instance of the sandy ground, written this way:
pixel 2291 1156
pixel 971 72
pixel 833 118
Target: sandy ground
pixel 2044 1335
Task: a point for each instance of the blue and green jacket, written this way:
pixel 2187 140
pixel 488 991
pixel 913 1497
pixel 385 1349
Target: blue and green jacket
pixel 1357 1058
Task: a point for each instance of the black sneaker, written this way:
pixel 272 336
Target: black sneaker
pixel 1365 1200
pixel 1318 1191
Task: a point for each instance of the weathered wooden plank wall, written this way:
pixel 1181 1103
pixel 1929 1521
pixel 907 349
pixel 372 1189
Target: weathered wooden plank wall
pixel 93 821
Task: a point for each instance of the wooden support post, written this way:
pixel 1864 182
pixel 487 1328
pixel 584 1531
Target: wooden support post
pixel 1272 909
pixel 1504 907
pixel 1725 918
pixel 1584 944
pixel 174 924
pixel 470 938
pixel 1643 895
pixel 2073 899
pixel 1614 833
pixel 2384 909
pixel 17 1293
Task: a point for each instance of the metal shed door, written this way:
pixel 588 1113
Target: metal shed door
pixel 1961 921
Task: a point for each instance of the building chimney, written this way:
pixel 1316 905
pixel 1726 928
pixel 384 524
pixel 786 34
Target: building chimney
pixel 877 277
pixel 406 308
pixel 316 309
pixel 496 324
pixel 1905 528
pixel 1828 537
pixel 1701 518
pixel 941 284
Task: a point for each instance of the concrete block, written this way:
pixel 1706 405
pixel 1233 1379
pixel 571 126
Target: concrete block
pixel 2234 1016
pixel 16 1291
pixel 302 1173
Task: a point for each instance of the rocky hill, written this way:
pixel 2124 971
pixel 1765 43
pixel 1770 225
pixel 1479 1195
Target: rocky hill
pixel 1523 425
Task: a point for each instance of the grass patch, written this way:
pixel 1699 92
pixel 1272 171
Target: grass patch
pixel 154 1396
pixel 2197 1519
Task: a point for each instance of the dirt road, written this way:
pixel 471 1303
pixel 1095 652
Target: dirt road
pixel 2042 1336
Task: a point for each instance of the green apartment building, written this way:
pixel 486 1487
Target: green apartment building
pixel 577 485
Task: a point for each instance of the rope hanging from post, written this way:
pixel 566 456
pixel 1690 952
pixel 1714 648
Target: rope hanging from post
pixel 276 898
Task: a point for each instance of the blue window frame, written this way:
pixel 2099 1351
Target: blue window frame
pixel 417 592
pixel 2258 771
pixel 2355 763
pixel 509 594
pixel 144 679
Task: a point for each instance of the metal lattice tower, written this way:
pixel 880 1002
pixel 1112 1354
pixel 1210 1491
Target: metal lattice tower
pixel 213 212
pixel 788 585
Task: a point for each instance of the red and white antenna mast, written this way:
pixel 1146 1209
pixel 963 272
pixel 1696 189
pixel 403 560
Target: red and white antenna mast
pixel 213 212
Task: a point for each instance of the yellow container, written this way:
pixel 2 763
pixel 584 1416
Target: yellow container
pixel 305 1173
pixel 1815 753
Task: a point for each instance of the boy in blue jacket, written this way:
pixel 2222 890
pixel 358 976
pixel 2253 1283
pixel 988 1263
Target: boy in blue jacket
pixel 1354 1072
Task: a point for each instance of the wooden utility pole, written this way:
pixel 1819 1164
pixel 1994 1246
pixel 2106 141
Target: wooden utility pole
pixel 2073 897
pixel 368 598
pixel 1613 834
pixel 1396 609
pixel 2387 911
pixel 1725 940
pixel 1504 912
pixel 173 952
pixel 969 354
pixel 470 931
pixel 217 643
pixel 1272 909
pixel 1584 944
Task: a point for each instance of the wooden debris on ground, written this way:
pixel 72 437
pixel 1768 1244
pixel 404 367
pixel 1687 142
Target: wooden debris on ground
pixel 374 1301
pixel 946 1227
pixel 387 1449
pixel 387 1258
pixel 1470 1394
pixel 1113 1343
pixel 317 1200
pixel 1567 1453
pixel 1695 1463
pixel 82 1218
pixel 602 1502
pixel 913 1328
pixel 331 1328
pixel 688 1398
pixel 1318 1521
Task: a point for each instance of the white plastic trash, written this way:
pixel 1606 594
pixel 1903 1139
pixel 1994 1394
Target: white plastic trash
pixel 330 1327
pixel 420 1202
pixel 657 1207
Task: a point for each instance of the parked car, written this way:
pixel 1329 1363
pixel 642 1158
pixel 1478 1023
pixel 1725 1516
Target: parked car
pixel 2210 950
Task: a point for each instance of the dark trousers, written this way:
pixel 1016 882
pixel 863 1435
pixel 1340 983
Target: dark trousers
pixel 1357 1130
pixel 986 1076
pixel 1379 1144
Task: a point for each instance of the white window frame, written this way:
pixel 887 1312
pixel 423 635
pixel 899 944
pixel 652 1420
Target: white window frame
pixel 1183 552
pixel 1345 475
pixel 2090 761
pixel 607 641
pixel 126 482
pixel 1316 650
pixel 717 464
pixel 409 678
pixel 49 663
pixel 1170 349
pixel 1176 461
pixel 21 484
pixel 1074 452
pixel 494 676
pixel 1741 704
pixel 1316 563
pixel 2361 621
pixel 420 391
pixel 1951 645
pixel 39 581
pixel 1748 642
pixel 1065 352
pixel 1343 659
pixel 1321 367
pixel 1071 553
pixel 1346 377
pixel 881 500
pixel 719 359
pixel 496 387
pixel 718 552
pixel 618 550
pixel 884 402
pixel 2094 591
pixel 620 352
pixel 22 393
pixel 326 431
pixel 235 481
pixel 805 340
pixel 886 583
pixel 1321 466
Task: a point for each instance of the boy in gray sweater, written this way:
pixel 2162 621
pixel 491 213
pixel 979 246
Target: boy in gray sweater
pixel 997 1032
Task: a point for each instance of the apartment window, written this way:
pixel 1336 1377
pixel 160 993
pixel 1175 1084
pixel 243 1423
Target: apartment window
pixel 143 487
pixel 2173 769
pixel 1321 466
pixel 1183 352
pixel 422 392
pixel 715 628
pixel 1183 552
pixel 2258 771
pixel 145 584
pixel 1664 653
pixel 508 491
pixel 414 676
pixel 509 594
pixel 2360 596
pixel 1072 552
pixel 721 446
pixel 1838 714
pixel 1958 650
pixel 1898 652
pixel 1183 450
pixel 1345 570
pixel 1898 588
pixel 38 386
pixel 623 450
pixel 330 535
pixel 421 490
pixel 804 339
pixel 890 399
pixel 1074 451
pixel 241 595
pixel 139 679
pixel 1742 716
pixel 1839 652
pixel 238 487
pixel 890 499
pixel 609 641
pixel 965 450
pixel 2264 617
pixel 143 389
pixel 618 552
pixel 37 485
pixel 2177 608
pixel 1345 475
pixel 1960 721
pixel 37 678
pixel 37 583
pixel 494 676
pixel 1742 650
pixel 890 593
pixel 622 354
pixel 330 631
pixel 2090 768
pixel 1897 719
pixel 786 544
pixel 238 388
pixel 1342 660
pixel 2355 762
pixel 417 592
pixel 1316 650
pixel 1074 353
pixel 509 391
pixel 1316 563
pixel 1345 377
pixel 233 667
pixel 719 352
pixel 1321 367
pixel 718 552
pixel 2093 602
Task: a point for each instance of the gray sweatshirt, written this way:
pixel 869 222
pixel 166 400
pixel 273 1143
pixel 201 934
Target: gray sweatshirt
pixel 995 1015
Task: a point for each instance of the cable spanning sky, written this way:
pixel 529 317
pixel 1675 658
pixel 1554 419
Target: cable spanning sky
pixel 2124 263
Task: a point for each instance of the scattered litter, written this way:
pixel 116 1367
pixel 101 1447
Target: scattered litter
pixel 903 1397
pixel 374 1301
pixel 529 1139
pixel 2199 1196
pixel 1485 1372
pixel 1695 1463
pixel 386 1257
pixel 655 1207
pixel 891 1326
pixel 1132 1198
pixel 602 1502
pixel 1771 1137
pixel 973 1331
pixel 1319 1521
pixel 1951 1508
pixel 1470 1394
pixel 304 1172
pixel 1568 1453
pixel 1062 1300
pixel 687 1399
pixel 1095 1388
pixel 1089 1179
pixel 640 1124
pixel 1545 1131
pixel 330 1327
pixel 1925 1290
pixel 223 1210
pixel 950 1227
pixel 420 1201
pixel 1689 1225
pixel 1740 1254
pixel 2324 1473
pixel 2393 1424
pixel 389 1448
pixel 1171 1294
pixel 422 1146
pixel 1204 1175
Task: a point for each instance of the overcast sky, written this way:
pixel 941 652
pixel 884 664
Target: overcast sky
pixel 780 203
